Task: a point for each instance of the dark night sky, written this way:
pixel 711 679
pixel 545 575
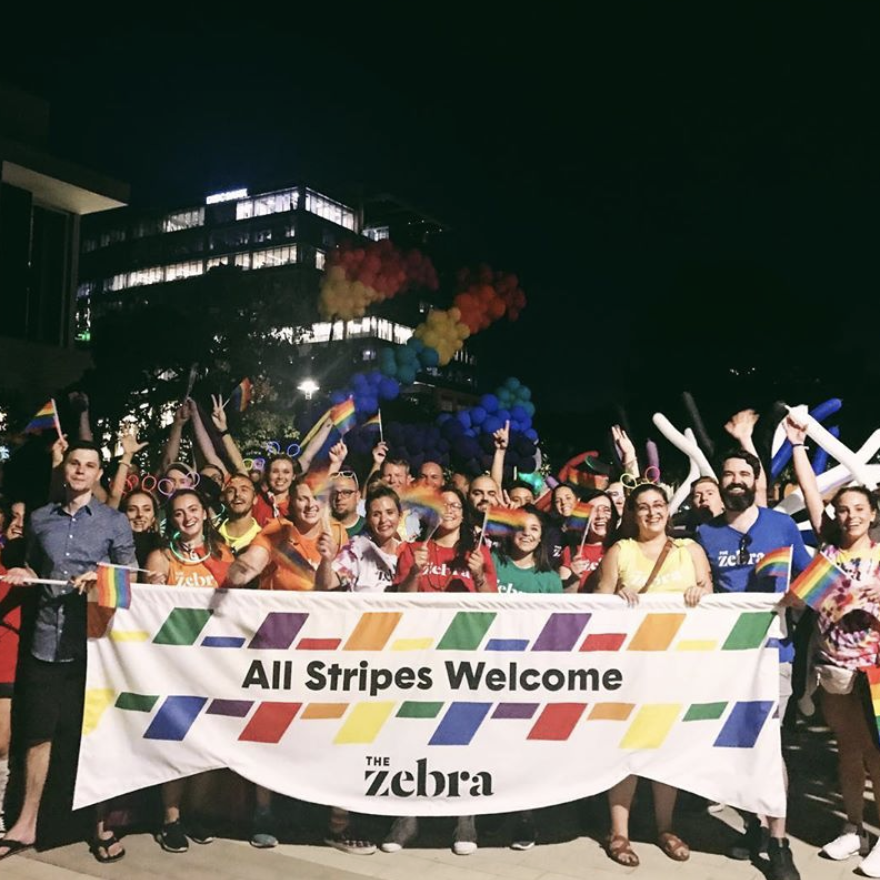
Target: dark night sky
pixel 632 169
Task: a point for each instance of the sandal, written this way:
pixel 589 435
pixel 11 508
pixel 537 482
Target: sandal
pixel 100 849
pixel 13 847
pixel 673 846
pixel 620 850
pixel 348 843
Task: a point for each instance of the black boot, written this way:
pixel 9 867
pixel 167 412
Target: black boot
pixel 781 860
pixel 753 842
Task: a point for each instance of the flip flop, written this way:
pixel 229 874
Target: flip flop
pixel 104 843
pixel 13 847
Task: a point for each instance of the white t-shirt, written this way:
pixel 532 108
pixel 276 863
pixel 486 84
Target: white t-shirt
pixel 363 567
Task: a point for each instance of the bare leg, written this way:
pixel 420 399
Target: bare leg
pixel 620 798
pixel 36 770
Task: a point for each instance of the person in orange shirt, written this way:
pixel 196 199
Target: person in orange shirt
pixel 287 553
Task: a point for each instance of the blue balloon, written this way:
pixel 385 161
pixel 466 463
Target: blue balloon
pixel 429 357
pixel 529 407
pixel 443 418
pixel 519 413
pixel 478 415
pixel 503 415
pixel 389 388
pixel 492 424
pixel 338 397
pixel 515 427
pixel 464 417
pixel 489 402
pixel 374 377
pixel 532 434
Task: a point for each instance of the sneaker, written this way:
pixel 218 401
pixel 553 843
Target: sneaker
pixel 198 834
pixel 870 866
pixel 853 841
pixel 172 839
pixel 263 834
pixel 523 834
pixel 753 842
pixel 348 842
pixel 781 861
pixel 404 830
pixel 465 841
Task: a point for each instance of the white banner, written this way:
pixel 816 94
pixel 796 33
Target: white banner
pixel 434 704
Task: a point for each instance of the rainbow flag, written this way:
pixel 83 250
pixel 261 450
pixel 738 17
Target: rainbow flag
pixel 45 419
pixel 373 421
pixel 342 416
pixel 423 500
pixel 113 586
pixel 776 563
pixel 287 556
pixel 873 675
pixel 817 582
pixel 580 516
pixel 504 521
pixel 242 396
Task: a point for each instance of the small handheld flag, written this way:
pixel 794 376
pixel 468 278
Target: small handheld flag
pixel 776 563
pixel 241 397
pixel 342 416
pixel 113 586
pixel 424 500
pixel 375 421
pixel 817 582
pixel 580 516
pixel 873 675
pixel 504 521
pixel 44 420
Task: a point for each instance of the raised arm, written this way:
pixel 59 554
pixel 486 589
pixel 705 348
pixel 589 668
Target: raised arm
pixel 307 455
pixel 803 471
pixel 203 439
pixel 130 447
pixel 502 440
pixel 79 400
pixel 248 566
pixel 172 448
pixel 218 417
pixel 629 459
pixel 741 427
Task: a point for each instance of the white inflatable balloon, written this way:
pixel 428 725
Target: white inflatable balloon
pixel 830 481
pixel 685 488
pixel 681 442
pixel 837 450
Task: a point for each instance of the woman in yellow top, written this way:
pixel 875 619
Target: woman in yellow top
pixel 628 569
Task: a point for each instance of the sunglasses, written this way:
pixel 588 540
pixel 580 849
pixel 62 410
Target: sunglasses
pixel 742 557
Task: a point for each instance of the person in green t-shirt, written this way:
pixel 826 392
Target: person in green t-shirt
pixel 523 563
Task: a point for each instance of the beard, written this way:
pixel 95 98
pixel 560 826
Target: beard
pixel 738 501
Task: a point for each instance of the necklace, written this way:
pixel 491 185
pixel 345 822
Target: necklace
pixel 191 560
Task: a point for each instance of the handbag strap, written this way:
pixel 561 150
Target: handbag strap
pixel 667 547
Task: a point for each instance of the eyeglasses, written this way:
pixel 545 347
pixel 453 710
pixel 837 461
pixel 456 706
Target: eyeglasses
pixel 454 506
pixel 344 493
pixel 743 556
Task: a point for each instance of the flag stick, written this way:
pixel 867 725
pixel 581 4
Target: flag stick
pixel 586 531
pixel 381 435
pixel 483 530
pixel 55 419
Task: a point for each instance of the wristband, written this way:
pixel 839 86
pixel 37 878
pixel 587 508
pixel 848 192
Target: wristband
pixel 224 433
pixel 795 445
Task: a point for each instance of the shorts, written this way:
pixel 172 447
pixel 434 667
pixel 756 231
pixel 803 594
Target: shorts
pixel 52 697
pixel 784 688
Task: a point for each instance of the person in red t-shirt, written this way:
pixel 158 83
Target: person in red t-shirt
pixel 578 565
pixel 280 474
pixel 452 561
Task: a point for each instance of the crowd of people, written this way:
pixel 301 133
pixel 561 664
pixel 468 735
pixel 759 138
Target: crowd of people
pixel 225 525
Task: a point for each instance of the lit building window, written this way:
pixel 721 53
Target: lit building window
pixel 271 203
pixel 183 270
pixel 369 354
pixel 329 210
pixel 262 235
pixel 274 257
pixel 85 290
pixel 243 261
pixel 183 220
pixel 377 233
pixel 112 236
pixel 320 259
pixel 228 239
pixel 145 228
pixel 89 245
pixel 373 328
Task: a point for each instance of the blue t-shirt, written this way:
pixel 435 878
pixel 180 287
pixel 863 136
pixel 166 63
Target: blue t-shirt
pixel 770 531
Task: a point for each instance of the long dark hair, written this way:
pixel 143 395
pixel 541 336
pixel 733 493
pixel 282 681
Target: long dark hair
pixel 212 538
pixel 541 553
pixel 467 539
pixel 830 528
pixel 123 504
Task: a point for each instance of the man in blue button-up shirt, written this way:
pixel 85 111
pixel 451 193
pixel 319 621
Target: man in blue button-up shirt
pixel 66 541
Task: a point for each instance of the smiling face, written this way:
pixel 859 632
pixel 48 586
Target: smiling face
pixel 431 474
pixel 82 470
pixel 304 508
pixel 737 484
pixel 651 513
pixel 140 512
pixel 528 538
pixel 343 497
pixel 383 518
pixel 600 517
pixel 564 501
pixel 395 475
pixel 618 496
pixel 239 496
pixel 483 494
pixel 280 476
pixel 520 496
pixel 706 498
pixel 189 517
pixel 453 513
pixel 854 515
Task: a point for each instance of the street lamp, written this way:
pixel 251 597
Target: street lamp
pixel 309 387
